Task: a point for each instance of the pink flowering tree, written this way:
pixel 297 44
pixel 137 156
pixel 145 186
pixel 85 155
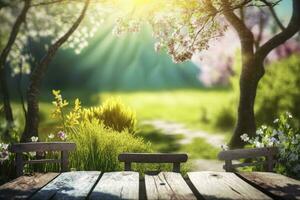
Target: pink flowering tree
pixel 186 28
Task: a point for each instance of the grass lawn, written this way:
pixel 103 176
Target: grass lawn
pixel 192 108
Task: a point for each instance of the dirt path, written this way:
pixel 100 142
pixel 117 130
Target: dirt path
pixel 215 140
pixel 172 128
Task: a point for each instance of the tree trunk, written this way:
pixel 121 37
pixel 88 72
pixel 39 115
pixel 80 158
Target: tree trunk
pixel 252 72
pixel 32 121
pixel 6 104
pixel 3 58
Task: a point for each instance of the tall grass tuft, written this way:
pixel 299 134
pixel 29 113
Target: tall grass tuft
pixel 98 147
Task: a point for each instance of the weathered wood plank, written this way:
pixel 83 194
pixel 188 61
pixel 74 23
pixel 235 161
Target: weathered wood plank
pixel 42 146
pixel 277 184
pixel 236 154
pixel 223 185
pixel 117 185
pixel 24 186
pixel 268 152
pixel 69 185
pixel 42 161
pixel 153 157
pixel 167 185
pixel 175 158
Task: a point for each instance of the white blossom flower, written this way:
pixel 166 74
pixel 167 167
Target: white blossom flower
pixel 276 121
pixel 4 154
pixel 258 144
pixel 51 136
pixel 3 146
pixel 34 139
pixel 289 115
pixel 259 132
pixel 264 127
pixel 245 137
pixel 224 147
pixel 32 154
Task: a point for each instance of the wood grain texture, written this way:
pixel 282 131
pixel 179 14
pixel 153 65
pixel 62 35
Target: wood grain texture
pixel 277 184
pixel 42 146
pixel 268 152
pixel 153 157
pixel 236 154
pixel 175 158
pixel 224 185
pixel 117 185
pixel 24 186
pixel 167 185
pixel 69 185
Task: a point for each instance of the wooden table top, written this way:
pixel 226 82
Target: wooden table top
pixel 165 185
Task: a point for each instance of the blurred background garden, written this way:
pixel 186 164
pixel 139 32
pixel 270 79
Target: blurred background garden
pixel 111 94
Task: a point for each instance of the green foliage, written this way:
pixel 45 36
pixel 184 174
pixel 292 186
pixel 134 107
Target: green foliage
pixel 97 147
pixel 100 133
pixel 225 118
pixel 284 135
pixel 116 115
pixel 279 90
pixel 112 113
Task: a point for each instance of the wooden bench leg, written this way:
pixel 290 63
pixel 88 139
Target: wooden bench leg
pixel 176 167
pixel 127 166
pixel 64 161
pixel 19 164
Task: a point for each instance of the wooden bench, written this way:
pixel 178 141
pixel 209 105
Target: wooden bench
pixel 268 153
pixel 20 148
pixel 175 158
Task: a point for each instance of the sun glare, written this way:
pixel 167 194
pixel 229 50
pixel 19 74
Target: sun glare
pixel 138 7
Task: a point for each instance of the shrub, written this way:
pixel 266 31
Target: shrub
pixel 100 133
pixel 112 113
pixel 116 115
pixel 225 118
pixel 286 137
pixel 98 147
pixel 279 90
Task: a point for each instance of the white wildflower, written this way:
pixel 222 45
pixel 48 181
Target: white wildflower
pixel 224 147
pixel 259 132
pixel 276 121
pixel 245 137
pixel 34 139
pixel 32 154
pixel 264 127
pixel 289 115
pixel 51 136
pixel 258 144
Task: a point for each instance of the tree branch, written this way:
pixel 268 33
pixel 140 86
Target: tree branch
pixel 287 33
pixel 273 13
pixel 260 31
pixel 14 33
pixel 42 65
pixel 245 35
